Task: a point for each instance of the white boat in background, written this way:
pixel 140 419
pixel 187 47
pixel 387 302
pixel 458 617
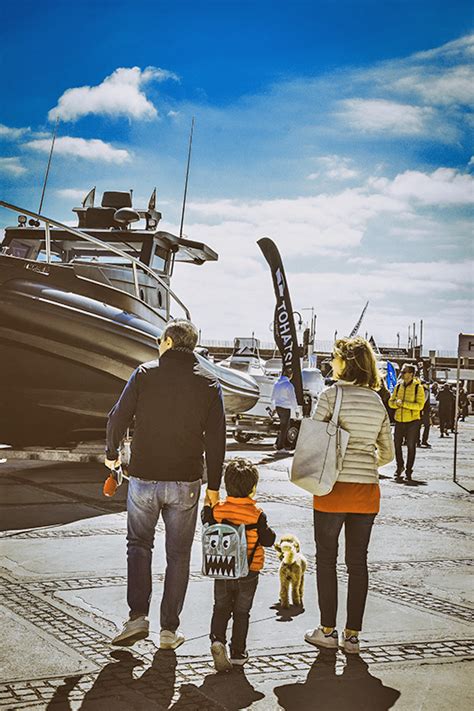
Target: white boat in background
pixel 260 421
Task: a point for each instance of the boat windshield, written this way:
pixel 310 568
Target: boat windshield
pixel 68 251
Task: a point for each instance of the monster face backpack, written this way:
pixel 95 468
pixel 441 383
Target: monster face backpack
pixel 224 550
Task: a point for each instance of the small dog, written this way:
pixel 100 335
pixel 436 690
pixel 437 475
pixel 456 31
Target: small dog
pixel 292 569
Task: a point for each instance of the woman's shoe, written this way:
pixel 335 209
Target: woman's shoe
pixel 350 645
pixel 320 639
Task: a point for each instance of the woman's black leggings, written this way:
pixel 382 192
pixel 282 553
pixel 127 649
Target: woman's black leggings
pixel 327 527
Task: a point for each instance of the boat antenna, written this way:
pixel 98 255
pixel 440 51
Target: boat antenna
pixel 187 178
pixel 49 165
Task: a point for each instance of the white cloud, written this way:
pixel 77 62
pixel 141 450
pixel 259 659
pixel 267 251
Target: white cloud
pixel 444 186
pixel 89 149
pixel 383 116
pixel 72 193
pixel 440 86
pixel 457 50
pixel 12 134
pixel 471 161
pixel 173 114
pixel 336 168
pixel 12 166
pixel 120 94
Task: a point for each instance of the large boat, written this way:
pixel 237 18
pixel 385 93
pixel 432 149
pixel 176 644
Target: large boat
pixel 80 308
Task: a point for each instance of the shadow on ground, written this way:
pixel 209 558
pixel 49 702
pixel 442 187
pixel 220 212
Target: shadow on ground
pixel 54 494
pixel 353 690
pixel 116 688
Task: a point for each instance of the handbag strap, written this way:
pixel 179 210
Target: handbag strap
pixel 335 415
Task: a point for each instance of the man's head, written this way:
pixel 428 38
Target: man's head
pixel 408 372
pixel 241 478
pixel 178 334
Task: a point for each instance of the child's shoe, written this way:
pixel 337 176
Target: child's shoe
pixel 238 660
pixel 322 639
pixel 350 644
pixel 220 657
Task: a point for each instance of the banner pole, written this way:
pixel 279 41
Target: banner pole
pixel 456 406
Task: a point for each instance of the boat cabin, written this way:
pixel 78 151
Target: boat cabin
pixel 114 223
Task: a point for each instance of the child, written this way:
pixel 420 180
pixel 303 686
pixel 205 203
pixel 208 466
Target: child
pixel 234 598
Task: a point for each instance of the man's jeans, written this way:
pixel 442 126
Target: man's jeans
pixel 233 597
pixel 178 503
pixel 327 527
pixel 408 431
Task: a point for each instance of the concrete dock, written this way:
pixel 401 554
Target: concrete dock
pixel 64 587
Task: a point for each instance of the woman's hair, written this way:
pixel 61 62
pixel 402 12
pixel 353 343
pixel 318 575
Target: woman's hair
pixel 359 364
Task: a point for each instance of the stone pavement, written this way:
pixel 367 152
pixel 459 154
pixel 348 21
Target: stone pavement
pixel 63 598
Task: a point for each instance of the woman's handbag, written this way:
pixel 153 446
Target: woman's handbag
pixel 319 452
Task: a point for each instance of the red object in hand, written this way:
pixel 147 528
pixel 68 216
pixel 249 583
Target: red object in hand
pixel 110 486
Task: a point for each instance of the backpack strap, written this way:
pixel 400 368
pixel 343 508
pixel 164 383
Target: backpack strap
pixel 253 527
pixel 248 527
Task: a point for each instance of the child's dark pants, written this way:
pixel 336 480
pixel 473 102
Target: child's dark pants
pixel 233 598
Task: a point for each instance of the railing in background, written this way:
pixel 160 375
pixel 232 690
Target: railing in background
pixel 135 263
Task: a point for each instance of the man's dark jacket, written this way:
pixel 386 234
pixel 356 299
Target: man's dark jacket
pixel 179 415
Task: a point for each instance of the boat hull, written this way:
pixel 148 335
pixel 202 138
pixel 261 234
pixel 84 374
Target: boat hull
pixel 67 347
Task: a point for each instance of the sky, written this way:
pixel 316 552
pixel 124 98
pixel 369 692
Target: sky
pixel 341 130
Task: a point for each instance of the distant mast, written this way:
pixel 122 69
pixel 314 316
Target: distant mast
pixel 187 178
pixel 48 166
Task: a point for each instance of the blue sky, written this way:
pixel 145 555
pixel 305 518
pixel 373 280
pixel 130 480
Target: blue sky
pixel 340 129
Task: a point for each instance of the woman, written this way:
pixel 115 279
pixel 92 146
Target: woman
pixel 355 499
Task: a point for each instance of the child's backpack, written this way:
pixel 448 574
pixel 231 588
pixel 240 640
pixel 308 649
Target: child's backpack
pixel 224 550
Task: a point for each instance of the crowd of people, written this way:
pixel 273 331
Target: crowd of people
pixel 179 423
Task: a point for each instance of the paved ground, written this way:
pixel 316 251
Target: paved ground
pixel 63 598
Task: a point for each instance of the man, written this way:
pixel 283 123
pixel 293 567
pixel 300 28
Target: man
pixel 425 419
pixel 446 407
pixel 283 401
pixel 179 416
pixel 407 400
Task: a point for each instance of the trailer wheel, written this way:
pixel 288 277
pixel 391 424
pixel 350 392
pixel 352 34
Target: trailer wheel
pixel 242 437
pixel 292 434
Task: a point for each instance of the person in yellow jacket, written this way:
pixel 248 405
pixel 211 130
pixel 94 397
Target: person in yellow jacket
pixel 408 399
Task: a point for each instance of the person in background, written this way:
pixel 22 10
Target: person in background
pixel 284 402
pixel 425 420
pixel 408 399
pixel 355 498
pixel 446 405
pixel 463 404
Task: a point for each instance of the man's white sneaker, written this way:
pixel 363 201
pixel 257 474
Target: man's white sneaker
pixel 238 660
pixel 221 658
pixel 171 640
pixel 132 631
pixel 350 645
pixel 320 639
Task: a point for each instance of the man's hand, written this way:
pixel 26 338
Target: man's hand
pixel 211 498
pixel 112 463
pixel 399 403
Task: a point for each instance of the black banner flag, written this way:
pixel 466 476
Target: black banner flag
pixel 283 323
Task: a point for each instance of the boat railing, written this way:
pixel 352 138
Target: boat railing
pixel 136 264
